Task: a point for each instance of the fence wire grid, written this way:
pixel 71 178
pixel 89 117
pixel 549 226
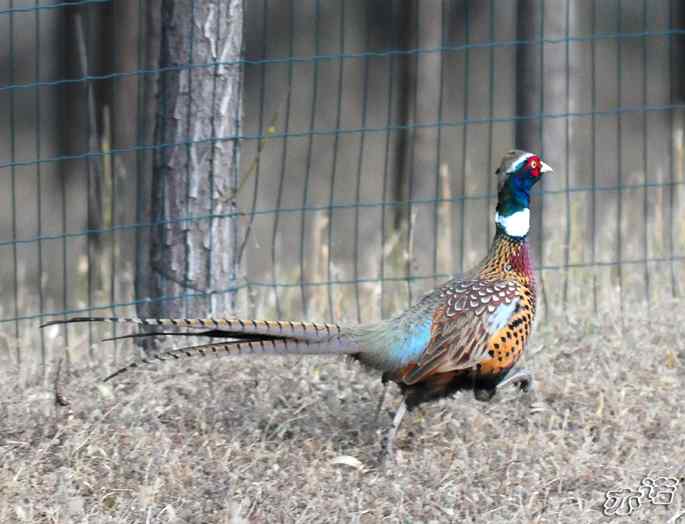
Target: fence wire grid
pixel 368 133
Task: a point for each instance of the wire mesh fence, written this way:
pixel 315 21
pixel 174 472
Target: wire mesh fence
pixel 368 133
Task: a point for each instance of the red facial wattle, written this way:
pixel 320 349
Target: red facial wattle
pixel 534 165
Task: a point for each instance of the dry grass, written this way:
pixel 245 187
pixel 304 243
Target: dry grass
pixel 294 440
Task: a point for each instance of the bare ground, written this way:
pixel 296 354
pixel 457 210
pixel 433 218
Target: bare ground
pixel 294 439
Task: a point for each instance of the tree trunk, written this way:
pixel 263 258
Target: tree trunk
pixel 421 168
pixel 677 197
pixel 529 88
pixel 418 102
pixel 541 87
pixel 126 25
pixel 406 82
pixel 152 41
pixel 193 248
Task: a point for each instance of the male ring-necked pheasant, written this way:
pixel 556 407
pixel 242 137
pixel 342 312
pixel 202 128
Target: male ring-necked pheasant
pixel 467 334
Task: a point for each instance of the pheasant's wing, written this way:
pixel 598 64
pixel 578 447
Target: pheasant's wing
pixel 469 313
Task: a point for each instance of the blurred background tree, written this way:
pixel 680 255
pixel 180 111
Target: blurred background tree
pixel 370 130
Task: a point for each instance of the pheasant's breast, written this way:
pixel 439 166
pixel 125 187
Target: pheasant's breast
pixel 507 344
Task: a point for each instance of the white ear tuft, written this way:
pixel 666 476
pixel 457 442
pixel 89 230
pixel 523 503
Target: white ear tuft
pixel 519 161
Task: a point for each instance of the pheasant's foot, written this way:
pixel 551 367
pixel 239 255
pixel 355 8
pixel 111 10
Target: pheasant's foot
pixel 521 377
pixel 484 395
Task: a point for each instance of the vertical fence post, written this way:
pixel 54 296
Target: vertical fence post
pixel 192 249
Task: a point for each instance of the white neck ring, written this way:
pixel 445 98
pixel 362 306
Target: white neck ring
pixel 515 225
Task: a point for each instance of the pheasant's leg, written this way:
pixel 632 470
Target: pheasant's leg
pixel 380 401
pixel 519 376
pixel 389 440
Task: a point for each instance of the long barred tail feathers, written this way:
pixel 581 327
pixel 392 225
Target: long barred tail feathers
pixel 283 346
pixel 223 327
pixel 215 333
pixel 249 337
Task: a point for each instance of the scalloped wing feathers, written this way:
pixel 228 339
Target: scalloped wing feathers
pixel 470 313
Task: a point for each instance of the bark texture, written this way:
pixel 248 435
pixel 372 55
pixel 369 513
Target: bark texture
pixel 193 246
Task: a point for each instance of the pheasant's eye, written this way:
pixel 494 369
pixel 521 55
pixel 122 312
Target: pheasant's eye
pixel 534 164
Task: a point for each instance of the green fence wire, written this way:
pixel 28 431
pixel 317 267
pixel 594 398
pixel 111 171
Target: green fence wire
pixel 370 131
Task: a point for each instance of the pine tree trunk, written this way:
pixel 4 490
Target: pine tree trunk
pixel 677 198
pixel 529 90
pixel 541 87
pixel 193 245
pixel 418 102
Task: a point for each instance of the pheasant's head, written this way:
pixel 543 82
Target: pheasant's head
pixel 518 173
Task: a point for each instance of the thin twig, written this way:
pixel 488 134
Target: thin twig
pixel 270 130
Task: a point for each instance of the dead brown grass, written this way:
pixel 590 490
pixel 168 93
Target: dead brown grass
pixel 293 439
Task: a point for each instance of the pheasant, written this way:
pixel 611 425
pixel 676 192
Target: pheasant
pixel 467 334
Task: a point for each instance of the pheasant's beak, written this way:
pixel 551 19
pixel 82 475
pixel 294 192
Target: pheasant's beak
pixel 544 168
